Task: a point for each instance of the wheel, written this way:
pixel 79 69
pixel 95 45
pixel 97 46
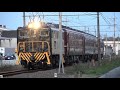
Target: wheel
pixel 49 66
pixel 44 66
pixel 24 63
pixel 29 66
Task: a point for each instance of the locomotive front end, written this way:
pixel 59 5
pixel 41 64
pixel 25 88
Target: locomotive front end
pixel 34 45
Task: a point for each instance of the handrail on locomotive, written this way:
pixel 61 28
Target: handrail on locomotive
pixel 44 48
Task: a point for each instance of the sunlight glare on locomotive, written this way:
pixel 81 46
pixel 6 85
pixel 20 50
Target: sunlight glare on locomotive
pixel 30 25
pixel 34 25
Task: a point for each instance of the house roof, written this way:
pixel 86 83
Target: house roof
pixel 9 34
pixel 3 29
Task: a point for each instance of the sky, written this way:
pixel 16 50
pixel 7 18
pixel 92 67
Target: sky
pixel 84 21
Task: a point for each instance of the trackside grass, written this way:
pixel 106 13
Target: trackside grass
pixel 88 69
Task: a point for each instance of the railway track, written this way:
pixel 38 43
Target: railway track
pixel 10 73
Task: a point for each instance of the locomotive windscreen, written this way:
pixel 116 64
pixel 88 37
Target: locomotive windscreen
pixel 33 40
pixel 44 33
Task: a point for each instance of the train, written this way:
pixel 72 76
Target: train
pixel 39 47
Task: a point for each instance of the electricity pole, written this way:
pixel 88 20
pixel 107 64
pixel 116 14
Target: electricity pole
pixel 98 39
pixel 95 31
pixel 114 36
pixel 88 29
pixel 106 43
pixel 106 39
pixel 60 43
pixel 118 38
pixel 85 28
pixel 24 24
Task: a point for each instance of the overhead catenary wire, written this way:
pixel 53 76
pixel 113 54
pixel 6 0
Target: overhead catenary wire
pixel 75 24
pixel 105 19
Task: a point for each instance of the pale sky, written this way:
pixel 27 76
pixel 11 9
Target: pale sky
pixel 13 20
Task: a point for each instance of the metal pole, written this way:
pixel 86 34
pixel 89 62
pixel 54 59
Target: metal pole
pixel 118 38
pixel 118 43
pixel 66 21
pixel 106 43
pixel 114 36
pixel 24 22
pixel 106 39
pixel 85 28
pixel 60 43
pixel 95 31
pixel 98 39
pixel 88 29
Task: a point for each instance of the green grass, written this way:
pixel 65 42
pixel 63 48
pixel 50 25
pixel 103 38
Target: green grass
pixel 104 68
pixel 97 70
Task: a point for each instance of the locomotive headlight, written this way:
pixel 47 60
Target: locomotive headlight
pixel 36 25
pixel 30 25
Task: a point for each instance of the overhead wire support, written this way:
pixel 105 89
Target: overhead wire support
pixel 114 36
pixel 60 43
pixel 67 15
pixel 98 38
pixel 24 20
pixel 105 19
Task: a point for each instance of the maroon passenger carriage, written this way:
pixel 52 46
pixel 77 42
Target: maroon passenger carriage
pixel 78 46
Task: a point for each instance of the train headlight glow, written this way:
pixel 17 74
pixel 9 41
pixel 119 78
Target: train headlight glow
pixel 30 25
pixel 34 25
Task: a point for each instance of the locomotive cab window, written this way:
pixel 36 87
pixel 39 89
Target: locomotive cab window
pixel 23 34
pixel 44 33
